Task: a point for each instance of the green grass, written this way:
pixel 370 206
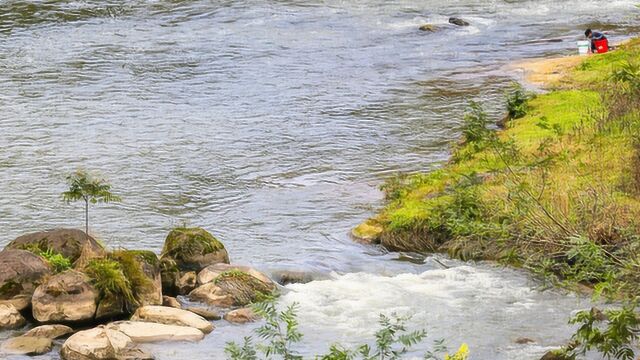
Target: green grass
pixel 567 168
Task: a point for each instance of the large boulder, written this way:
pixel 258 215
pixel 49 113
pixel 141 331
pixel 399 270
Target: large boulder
pixel 211 273
pixel 101 343
pixel 172 316
pixel 10 317
pixel 65 297
pixel 233 289
pixel 147 332
pixel 193 249
pixel 21 272
pixel 68 242
pixel 49 331
pixel 27 345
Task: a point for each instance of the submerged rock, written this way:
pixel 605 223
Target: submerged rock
pixel 193 249
pixel 21 272
pixel 172 316
pixel 65 297
pixel 147 332
pixel 285 277
pixel 232 289
pixel 10 317
pixel 241 316
pixel 458 21
pixel 27 345
pixel 49 331
pixel 101 343
pixel 555 355
pixel 68 242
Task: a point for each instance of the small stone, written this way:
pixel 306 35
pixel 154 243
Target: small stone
pixel 241 316
pixel 458 21
pixel 27 345
pixel 205 313
pixel 49 331
pixel 524 340
pixel 427 27
pixel 170 301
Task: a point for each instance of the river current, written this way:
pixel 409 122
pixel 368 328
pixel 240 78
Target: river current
pixel 272 124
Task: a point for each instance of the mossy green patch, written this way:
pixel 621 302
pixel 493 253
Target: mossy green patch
pixel 182 243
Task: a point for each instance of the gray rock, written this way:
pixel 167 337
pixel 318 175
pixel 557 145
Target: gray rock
pixel 458 21
pixel 21 272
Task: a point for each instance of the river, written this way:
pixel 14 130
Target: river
pixel 272 124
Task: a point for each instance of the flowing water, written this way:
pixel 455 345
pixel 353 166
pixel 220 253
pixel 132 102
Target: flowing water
pixel 271 124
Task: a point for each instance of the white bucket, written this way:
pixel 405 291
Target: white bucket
pixel 583 47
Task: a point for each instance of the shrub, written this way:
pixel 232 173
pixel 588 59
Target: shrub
pixel 517 102
pixel 475 122
pixel 109 279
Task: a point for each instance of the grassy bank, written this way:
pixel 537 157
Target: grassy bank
pixel 557 190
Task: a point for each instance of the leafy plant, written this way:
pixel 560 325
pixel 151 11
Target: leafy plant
pixel 518 101
pixel 280 330
pixel 109 279
pixel 84 186
pixel 475 124
pixel 612 333
pixel 58 262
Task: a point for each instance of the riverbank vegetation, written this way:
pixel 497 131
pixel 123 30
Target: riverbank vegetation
pixel 557 191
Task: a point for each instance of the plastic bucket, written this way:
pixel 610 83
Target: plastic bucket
pixel 583 47
pixel 602 46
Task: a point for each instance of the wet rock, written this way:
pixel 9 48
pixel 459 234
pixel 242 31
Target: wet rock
pixel 241 316
pixel 101 343
pixel 172 316
pixel 458 21
pixel 147 332
pixel 368 233
pixel 111 306
pixel 49 331
pixel 21 272
pixel 10 317
pixel 27 345
pixel 68 242
pixel 169 273
pixel 170 301
pixel 555 355
pixel 205 313
pixel 187 282
pixel 428 27
pixel 65 297
pixel 286 277
pixel 524 340
pixel 232 289
pixel 211 273
pixel 193 249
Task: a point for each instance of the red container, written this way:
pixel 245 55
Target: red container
pixel 602 46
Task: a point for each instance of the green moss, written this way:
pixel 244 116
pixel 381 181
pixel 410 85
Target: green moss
pixel 244 288
pixel 57 261
pixel 132 264
pixel 108 277
pixel 182 243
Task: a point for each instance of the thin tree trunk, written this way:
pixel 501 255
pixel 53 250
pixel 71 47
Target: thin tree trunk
pixel 86 217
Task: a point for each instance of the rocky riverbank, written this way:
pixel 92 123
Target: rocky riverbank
pixel 65 282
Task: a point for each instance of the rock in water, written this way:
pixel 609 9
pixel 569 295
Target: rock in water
pixel 67 297
pixel 232 289
pixel 193 249
pixel 186 283
pixel 458 21
pixel 205 313
pixel 68 242
pixel 427 27
pixel 147 332
pixel 285 277
pixel 142 267
pixel 21 272
pixel 10 317
pixel 172 316
pixel 241 316
pixel 27 345
pixel 210 273
pixel 101 343
pixel 49 331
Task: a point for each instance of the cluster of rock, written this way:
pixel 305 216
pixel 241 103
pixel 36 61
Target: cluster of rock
pixel 193 264
pixel 452 20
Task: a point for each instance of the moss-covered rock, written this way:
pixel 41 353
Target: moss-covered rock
pixel 170 274
pixel 368 232
pixel 68 242
pixel 21 272
pixel 142 269
pixel 233 289
pixel 193 249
